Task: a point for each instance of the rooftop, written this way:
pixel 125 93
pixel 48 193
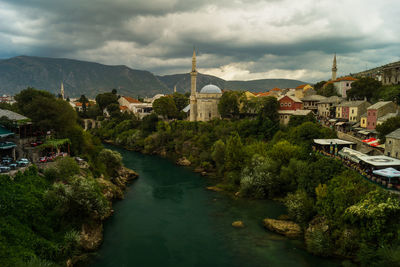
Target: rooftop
pixel 395 134
pixel 295 99
pixel 313 98
pixel 379 104
pixel 210 89
pixel 333 141
pixel 352 103
pixel 11 115
pixel 332 99
pixel 387 116
pixel 131 99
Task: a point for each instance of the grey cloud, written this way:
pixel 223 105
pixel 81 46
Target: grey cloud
pixel 84 30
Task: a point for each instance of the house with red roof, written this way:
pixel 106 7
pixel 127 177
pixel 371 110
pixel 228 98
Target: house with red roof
pixel 342 85
pixel 135 106
pixel 289 103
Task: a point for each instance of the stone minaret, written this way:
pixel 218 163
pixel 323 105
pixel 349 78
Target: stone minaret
pixel 334 68
pixel 62 90
pixel 175 88
pixel 193 98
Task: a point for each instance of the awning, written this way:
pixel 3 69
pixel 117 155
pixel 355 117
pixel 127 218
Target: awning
pixel 369 140
pixel 340 123
pixel 356 125
pixel 4 132
pixel 7 145
pixel 333 120
pixel 388 172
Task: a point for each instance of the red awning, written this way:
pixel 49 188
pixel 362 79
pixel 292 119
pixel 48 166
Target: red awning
pixel 369 140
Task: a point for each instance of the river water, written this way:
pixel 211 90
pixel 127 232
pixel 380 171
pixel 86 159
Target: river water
pixel 168 218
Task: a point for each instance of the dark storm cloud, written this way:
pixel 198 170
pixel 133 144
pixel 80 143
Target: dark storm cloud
pixel 251 38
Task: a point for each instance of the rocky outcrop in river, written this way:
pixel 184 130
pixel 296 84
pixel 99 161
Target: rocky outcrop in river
pixel 287 228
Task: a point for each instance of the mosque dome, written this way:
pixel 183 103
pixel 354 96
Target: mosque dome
pixel 210 89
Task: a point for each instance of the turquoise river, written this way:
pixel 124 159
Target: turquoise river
pixel 168 218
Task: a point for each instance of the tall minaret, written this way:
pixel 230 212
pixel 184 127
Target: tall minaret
pixel 175 88
pixel 62 90
pixel 193 98
pixel 334 68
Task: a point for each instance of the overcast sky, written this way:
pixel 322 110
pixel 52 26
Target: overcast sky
pixel 236 40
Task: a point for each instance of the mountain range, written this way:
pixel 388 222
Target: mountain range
pixel 89 78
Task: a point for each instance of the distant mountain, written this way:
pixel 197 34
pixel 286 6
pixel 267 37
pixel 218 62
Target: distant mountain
pixel 89 78
pixel 182 82
pixel 79 77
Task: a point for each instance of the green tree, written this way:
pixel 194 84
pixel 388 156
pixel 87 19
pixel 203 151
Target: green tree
pixel 228 105
pixel 165 106
pixel 328 89
pixel 85 101
pixel 300 207
pixel 234 153
pixel 387 127
pixel 260 179
pixel 105 99
pixel 112 160
pixel 181 101
pixel 364 87
pixel 218 154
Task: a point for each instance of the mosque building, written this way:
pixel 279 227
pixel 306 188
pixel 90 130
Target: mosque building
pixel 203 105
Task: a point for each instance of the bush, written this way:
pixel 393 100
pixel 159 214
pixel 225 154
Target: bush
pixel 112 160
pixel 67 167
pixel 300 207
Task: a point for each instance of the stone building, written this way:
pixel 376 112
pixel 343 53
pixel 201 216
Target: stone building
pixel 392 144
pixel 203 105
pixel 351 110
pixel 311 102
pixel 326 106
pixel 378 110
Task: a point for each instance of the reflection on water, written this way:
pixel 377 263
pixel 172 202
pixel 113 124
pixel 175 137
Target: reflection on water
pixel 168 219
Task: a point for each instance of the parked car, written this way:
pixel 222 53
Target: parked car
pixel 13 166
pixel 22 162
pixel 5 169
pixel 43 159
pixel 34 144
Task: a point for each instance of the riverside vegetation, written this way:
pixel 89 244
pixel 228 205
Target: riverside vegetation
pixel 53 216
pixel 340 213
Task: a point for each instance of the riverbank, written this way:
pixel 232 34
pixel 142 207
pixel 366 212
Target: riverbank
pixel 91 234
pixel 168 219
pixel 281 165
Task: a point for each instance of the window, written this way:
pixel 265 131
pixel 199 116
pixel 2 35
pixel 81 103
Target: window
pixel 388 154
pixel 397 154
pixel 373 124
pixel 352 111
pixel 209 115
pixel 289 104
pixel 390 141
pixel 281 104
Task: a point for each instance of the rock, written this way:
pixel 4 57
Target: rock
pixel 199 169
pixel 238 224
pixel 214 188
pixel 203 173
pixel 91 235
pixel 237 194
pixel 287 228
pixel 183 162
pixel 320 224
pixel 163 153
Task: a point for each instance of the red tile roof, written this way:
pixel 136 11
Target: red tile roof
pixel 131 100
pixel 276 89
pixel 301 86
pixel 123 107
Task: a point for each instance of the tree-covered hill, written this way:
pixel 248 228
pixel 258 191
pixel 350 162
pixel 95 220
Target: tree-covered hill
pixel 79 77
pixel 90 79
pixel 182 82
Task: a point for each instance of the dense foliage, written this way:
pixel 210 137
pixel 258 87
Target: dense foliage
pixel 259 158
pixel 42 213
